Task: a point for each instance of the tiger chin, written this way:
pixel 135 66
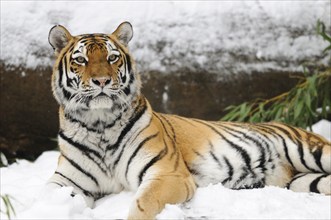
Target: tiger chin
pixel 111 140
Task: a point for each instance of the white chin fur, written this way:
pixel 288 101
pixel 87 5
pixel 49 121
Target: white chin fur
pixel 101 102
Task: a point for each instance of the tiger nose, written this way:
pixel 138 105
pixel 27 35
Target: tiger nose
pixel 102 82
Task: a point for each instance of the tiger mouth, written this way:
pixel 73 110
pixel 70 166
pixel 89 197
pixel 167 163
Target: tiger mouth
pixel 110 91
pixel 102 94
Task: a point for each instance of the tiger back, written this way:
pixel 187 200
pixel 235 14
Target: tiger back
pixel 111 140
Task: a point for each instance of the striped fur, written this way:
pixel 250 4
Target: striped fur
pixel 111 139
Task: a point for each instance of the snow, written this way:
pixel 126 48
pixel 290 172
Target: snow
pixel 221 37
pixel 323 127
pixel 216 36
pixel 25 182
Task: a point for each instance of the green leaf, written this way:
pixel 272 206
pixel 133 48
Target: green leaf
pixel 298 110
pixel 308 102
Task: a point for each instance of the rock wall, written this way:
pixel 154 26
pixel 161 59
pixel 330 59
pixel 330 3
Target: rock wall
pixel 29 118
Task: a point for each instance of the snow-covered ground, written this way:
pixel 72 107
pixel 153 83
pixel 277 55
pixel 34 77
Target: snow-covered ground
pixel 221 37
pixel 25 181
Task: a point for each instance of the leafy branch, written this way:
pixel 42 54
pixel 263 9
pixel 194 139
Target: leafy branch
pixel 303 105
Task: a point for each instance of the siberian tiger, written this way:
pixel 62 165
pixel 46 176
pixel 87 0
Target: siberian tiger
pixel 111 140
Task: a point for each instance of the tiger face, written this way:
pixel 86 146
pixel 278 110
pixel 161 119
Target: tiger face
pixel 93 71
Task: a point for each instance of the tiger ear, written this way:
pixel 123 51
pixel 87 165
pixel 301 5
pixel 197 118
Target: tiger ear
pixel 124 33
pixel 58 38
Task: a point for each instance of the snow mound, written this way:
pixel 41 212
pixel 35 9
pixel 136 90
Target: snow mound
pixel 25 182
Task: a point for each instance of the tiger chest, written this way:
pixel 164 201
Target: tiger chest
pixel 103 152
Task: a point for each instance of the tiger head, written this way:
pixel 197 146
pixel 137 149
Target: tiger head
pixel 93 71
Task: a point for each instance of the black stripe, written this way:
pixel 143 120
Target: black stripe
pixel 139 111
pixel 79 146
pixel 299 145
pixel 227 130
pixel 245 156
pixel 107 126
pixel 152 162
pixel 74 120
pixel 134 154
pixel 240 179
pixel 174 140
pixel 87 36
pixel 87 193
pixel 176 164
pixel 267 142
pixel 167 133
pixel 171 127
pixel 274 132
pixel 93 160
pixel 71 48
pixel 66 93
pixel 300 148
pixel 184 119
pixel 74 164
pixel 126 69
pixel 286 132
pixel 317 157
pixel 198 154
pixel 213 155
pixel 60 68
pixel 215 159
pixel 127 90
pixel 128 62
pixel 230 170
pixel 257 131
pixel 314 183
pixel 288 185
pixel 127 56
pixel 123 147
pixel 267 130
pixel 123 75
pixel 192 170
pixel 131 78
pixel 262 158
pixel 66 72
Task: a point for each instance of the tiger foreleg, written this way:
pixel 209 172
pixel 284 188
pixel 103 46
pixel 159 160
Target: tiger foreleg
pixel 154 193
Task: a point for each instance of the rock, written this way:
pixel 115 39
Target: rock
pixel 29 118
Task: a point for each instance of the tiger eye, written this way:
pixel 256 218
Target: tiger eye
pixel 112 57
pixel 80 59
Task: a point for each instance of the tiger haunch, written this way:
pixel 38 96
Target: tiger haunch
pixel 111 140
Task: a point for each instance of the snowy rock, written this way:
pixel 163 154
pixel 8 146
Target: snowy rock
pixel 222 37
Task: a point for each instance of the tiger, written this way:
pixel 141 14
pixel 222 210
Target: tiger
pixel 111 140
